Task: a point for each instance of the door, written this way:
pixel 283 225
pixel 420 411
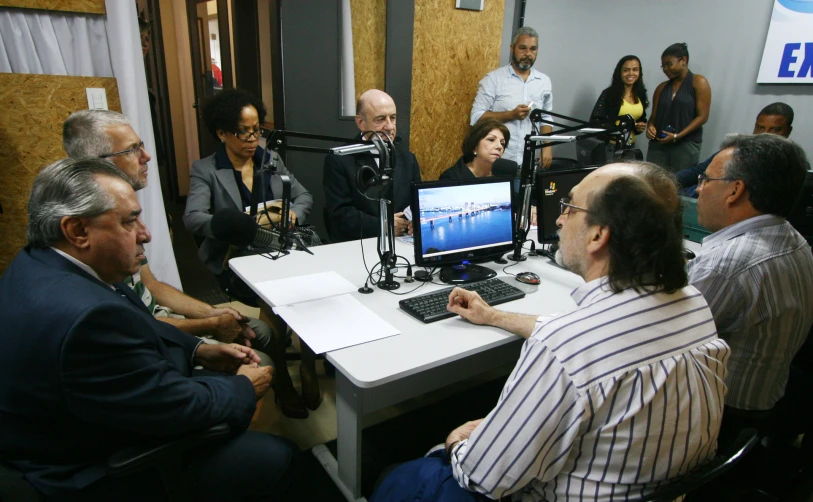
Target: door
pixel 212 70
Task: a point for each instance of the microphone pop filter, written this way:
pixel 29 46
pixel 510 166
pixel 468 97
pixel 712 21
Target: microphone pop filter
pixel 233 226
pixel 505 168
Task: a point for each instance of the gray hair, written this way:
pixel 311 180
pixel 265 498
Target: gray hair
pixel 84 133
pixel 525 31
pixel 68 187
pixel 773 169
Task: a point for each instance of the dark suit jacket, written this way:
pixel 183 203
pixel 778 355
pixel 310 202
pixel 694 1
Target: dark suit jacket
pixel 212 189
pixel 85 371
pixel 347 210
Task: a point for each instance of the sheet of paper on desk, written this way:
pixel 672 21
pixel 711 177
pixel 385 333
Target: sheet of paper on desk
pixel 304 288
pixel 335 323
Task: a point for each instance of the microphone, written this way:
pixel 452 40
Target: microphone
pixel 506 168
pixel 239 229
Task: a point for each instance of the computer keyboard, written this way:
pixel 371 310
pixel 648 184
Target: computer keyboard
pixel 431 307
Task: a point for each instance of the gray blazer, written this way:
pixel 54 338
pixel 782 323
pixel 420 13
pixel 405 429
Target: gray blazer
pixel 212 189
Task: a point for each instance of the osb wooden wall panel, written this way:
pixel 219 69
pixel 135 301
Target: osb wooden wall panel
pixel 452 50
pixel 369 43
pixel 33 110
pixel 87 6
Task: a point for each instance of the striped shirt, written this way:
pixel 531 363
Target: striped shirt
pixel 605 402
pixel 502 90
pixel 757 276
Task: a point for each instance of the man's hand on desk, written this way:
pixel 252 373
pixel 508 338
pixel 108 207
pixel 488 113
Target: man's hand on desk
pixel 260 378
pixel 468 305
pixel 225 358
pixel 402 225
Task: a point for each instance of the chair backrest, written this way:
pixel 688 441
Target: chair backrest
pixel 723 462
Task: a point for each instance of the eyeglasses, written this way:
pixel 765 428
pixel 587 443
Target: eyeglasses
pixel 702 179
pixel 565 207
pixel 247 135
pixel 136 150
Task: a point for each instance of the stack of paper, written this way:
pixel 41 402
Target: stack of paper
pixel 320 309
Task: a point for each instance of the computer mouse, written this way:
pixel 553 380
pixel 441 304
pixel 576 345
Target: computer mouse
pixel 528 278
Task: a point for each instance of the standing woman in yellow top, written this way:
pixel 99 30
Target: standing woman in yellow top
pixel 625 96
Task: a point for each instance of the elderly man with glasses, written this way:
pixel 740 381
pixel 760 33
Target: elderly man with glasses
pixel 109 135
pixel 618 395
pixel 755 270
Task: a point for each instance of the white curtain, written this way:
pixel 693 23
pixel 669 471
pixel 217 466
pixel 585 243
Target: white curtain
pixel 124 40
pixel 56 43
pixel 53 43
pixel 347 66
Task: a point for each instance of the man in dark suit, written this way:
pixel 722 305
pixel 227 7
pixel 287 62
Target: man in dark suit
pixel 351 215
pixel 85 369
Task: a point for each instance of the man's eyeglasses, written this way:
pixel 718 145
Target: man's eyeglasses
pixel 247 135
pixel 702 179
pixel 565 207
pixel 136 150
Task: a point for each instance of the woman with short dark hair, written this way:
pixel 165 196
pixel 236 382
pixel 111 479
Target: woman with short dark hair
pixel 484 143
pixel 625 96
pixel 225 180
pixel 680 107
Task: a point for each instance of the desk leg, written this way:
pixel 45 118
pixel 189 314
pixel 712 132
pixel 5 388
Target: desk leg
pixel 349 415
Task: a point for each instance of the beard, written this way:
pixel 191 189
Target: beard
pixel 523 64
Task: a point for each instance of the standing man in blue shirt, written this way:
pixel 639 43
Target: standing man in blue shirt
pixel 510 94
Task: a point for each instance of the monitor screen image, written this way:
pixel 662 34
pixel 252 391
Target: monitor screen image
pixel 551 187
pixel 458 221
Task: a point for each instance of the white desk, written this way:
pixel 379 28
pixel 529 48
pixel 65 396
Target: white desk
pixel 424 357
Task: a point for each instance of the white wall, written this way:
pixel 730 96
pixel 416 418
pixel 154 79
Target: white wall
pixel 582 40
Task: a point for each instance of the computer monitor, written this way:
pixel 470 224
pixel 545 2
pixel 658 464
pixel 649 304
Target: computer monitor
pixel 456 223
pixel 551 187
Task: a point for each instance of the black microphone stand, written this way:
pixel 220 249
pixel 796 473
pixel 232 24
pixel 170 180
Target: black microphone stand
pixel 277 140
pixel 602 129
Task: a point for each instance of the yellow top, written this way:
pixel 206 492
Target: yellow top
pixel 636 110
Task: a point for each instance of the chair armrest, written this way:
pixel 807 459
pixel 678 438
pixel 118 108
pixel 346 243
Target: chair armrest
pixel 129 460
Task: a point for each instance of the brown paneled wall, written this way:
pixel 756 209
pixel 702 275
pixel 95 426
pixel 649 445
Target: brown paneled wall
pixel 453 49
pixel 369 43
pixel 34 108
pixel 87 6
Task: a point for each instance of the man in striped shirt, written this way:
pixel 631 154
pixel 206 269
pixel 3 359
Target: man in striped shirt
pixel 755 270
pixel 612 399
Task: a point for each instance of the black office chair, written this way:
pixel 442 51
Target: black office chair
pixel 723 462
pixel 166 457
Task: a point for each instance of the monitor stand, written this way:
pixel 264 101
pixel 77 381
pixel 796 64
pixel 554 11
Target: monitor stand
pixel 463 273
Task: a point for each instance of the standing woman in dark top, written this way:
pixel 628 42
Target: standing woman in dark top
pixel 679 110
pixel 625 96
pixel 484 143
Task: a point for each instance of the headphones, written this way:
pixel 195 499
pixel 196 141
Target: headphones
pixel 374 183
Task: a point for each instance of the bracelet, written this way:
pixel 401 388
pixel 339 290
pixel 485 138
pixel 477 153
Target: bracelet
pixel 674 138
pixel 450 448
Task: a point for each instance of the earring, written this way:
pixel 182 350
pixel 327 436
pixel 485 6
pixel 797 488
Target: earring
pixel 475 154
pixel 222 140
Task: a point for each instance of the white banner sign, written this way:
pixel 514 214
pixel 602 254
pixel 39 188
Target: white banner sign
pixel 788 54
